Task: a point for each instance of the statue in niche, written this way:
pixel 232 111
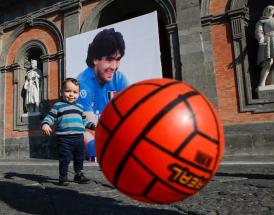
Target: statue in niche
pixel 264 33
pixel 32 88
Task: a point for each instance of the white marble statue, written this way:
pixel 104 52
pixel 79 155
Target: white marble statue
pixel 32 98
pixel 264 33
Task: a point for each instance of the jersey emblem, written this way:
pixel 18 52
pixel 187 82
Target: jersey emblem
pixel 83 93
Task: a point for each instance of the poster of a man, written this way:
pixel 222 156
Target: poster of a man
pixel 108 59
pixel 102 79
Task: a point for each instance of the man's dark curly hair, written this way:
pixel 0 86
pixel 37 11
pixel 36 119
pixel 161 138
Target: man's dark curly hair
pixel 105 43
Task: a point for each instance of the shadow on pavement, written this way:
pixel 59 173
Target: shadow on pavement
pixel 38 199
pixel 36 178
pixel 248 175
pixel 45 179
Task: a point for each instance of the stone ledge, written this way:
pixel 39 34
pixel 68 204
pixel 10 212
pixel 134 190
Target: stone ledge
pixel 266 92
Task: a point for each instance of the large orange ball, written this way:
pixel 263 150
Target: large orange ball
pixel 159 141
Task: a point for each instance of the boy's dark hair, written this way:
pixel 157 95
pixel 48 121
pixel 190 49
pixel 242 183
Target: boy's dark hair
pixel 105 43
pixel 73 80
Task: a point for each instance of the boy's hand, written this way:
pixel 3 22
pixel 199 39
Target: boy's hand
pixel 46 130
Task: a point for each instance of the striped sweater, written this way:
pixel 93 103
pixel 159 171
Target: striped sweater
pixel 67 118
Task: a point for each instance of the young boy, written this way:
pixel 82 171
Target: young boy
pixel 70 123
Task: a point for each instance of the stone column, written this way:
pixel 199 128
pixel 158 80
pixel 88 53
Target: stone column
pixel 18 108
pixel 71 18
pixel 44 83
pixel 1 40
pixel 2 102
pixel 190 37
pixel 71 23
pixel 59 56
pixel 175 51
pixel 195 68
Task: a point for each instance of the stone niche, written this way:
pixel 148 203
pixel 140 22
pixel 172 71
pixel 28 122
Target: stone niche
pixel 254 87
pixel 29 84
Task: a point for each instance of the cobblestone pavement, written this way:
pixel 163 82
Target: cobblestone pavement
pixel 32 188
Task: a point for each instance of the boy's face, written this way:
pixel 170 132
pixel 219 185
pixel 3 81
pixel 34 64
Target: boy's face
pixel 106 67
pixel 70 92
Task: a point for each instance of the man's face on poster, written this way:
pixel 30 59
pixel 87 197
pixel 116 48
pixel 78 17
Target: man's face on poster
pixel 107 66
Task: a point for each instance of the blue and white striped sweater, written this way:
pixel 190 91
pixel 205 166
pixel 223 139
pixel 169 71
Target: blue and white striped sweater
pixel 67 118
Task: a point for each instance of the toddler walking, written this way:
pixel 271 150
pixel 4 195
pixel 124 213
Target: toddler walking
pixel 70 122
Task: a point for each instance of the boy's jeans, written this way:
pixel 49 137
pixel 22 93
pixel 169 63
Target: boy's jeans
pixel 71 147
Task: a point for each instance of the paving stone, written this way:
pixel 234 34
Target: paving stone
pixel 33 189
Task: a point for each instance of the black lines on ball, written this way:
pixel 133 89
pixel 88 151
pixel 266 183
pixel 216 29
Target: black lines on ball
pixel 185 142
pixel 140 102
pixel 217 142
pixel 134 85
pixel 151 84
pixel 218 130
pixel 104 126
pixel 155 178
pixel 175 155
pixel 116 109
pixel 148 127
pixel 192 114
pixel 123 92
pixel 150 186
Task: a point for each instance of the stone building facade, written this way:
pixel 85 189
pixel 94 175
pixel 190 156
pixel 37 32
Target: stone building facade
pixel 209 44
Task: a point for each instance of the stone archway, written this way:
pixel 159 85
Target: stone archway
pixel 17 66
pixel 34 50
pixel 31 23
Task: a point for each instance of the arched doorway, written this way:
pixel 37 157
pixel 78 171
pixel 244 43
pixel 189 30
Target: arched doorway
pixel 31 50
pixel 103 15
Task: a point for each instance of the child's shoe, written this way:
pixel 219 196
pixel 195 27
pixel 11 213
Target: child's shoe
pixel 63 181
pixel 81 178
